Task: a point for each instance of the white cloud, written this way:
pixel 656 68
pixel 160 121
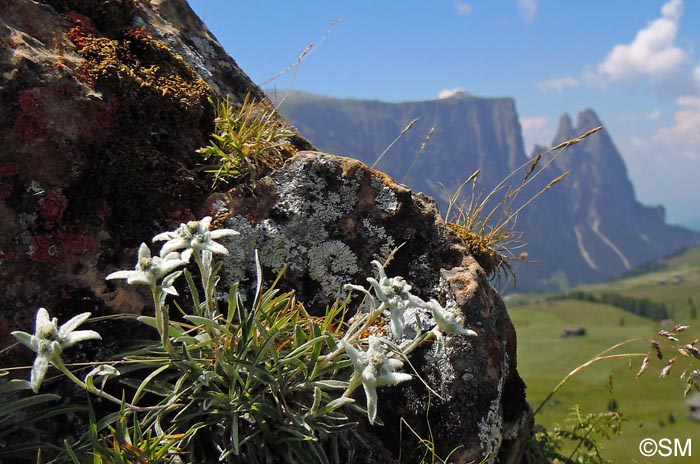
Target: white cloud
pixel 537 130
pixel 654 115
pixel 683 138
pixel 688 101
pixel 528 9
pixel 462 8
pixel 448 93
pixel 653 53
pixel 558 83
pixel 653 56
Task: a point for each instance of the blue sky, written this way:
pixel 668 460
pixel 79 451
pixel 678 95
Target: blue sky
pixel 635 62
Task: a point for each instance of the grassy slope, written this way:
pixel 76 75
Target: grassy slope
pixel 544 359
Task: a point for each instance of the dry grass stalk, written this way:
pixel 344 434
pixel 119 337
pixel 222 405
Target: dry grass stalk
pixel 415 158
pixel 487 225
pixel 386 150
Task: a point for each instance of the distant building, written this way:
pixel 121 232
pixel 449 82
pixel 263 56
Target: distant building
pixel 693 404
pixel 573 331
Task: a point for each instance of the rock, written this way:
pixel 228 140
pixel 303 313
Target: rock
pixel 102 106
pixel 327 217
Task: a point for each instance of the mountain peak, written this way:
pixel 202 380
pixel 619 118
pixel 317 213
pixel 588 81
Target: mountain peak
pixel 587 119
pixel 565 128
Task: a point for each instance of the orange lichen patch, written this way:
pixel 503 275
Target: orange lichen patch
pixel 134 75
pixel 136 63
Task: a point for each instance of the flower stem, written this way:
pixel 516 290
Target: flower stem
pixel 204 273
pixel 162 320
pixel 58 364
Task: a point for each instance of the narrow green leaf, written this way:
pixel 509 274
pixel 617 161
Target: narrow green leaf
pixel 14 385
pixel 28 402
pixel 331 384
pixel 146 381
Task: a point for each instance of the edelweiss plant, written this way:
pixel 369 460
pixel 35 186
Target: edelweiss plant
pixel 150 270
pixel 49 341
pixel 194 237
pixel 396 297
pixel 252 384
pixel 373 368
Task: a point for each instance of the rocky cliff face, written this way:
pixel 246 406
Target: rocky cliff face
pixel 587 228
pixel 470 133
pixel 102 107
pixel 607 230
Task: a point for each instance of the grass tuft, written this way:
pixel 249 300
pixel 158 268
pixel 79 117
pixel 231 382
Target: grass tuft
pixel 486 224
pixel 248 141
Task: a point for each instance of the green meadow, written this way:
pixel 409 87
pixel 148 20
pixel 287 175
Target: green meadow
pixel 653 407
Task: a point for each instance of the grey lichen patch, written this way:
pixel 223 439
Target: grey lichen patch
pixel 312 197
pixel 369 230
pixel 386 199
pixel 241 249
pixel 329 263
pixel 490 431
pixel 491 425
pixel 303 188
pixel 421 266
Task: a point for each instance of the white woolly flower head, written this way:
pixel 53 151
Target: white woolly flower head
pixel 396 295
pixel 448 321
pixel 150 269
pixel 194 236
pixel 49 341
pixel 375 368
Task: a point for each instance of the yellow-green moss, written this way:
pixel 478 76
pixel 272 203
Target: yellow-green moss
pixel 136 63
pixel 480 247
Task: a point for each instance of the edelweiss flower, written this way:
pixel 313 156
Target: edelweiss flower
pixel 150 269
pixel 194 236
pixel 395 293
pixel 375 369
pixel 49 341
pixel 448 321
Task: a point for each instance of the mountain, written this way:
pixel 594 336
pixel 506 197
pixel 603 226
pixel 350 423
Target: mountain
pixel 587 228
pixel 693 223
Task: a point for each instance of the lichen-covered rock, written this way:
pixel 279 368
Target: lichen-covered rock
pixel 326 218
pixel 103 105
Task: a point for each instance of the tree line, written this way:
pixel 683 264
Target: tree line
pixel 644 307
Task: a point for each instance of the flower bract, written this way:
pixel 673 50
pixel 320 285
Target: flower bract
pixel 194 236
pixel 49 341
pixel 149 269
pixel 396 295
pixel 375 368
